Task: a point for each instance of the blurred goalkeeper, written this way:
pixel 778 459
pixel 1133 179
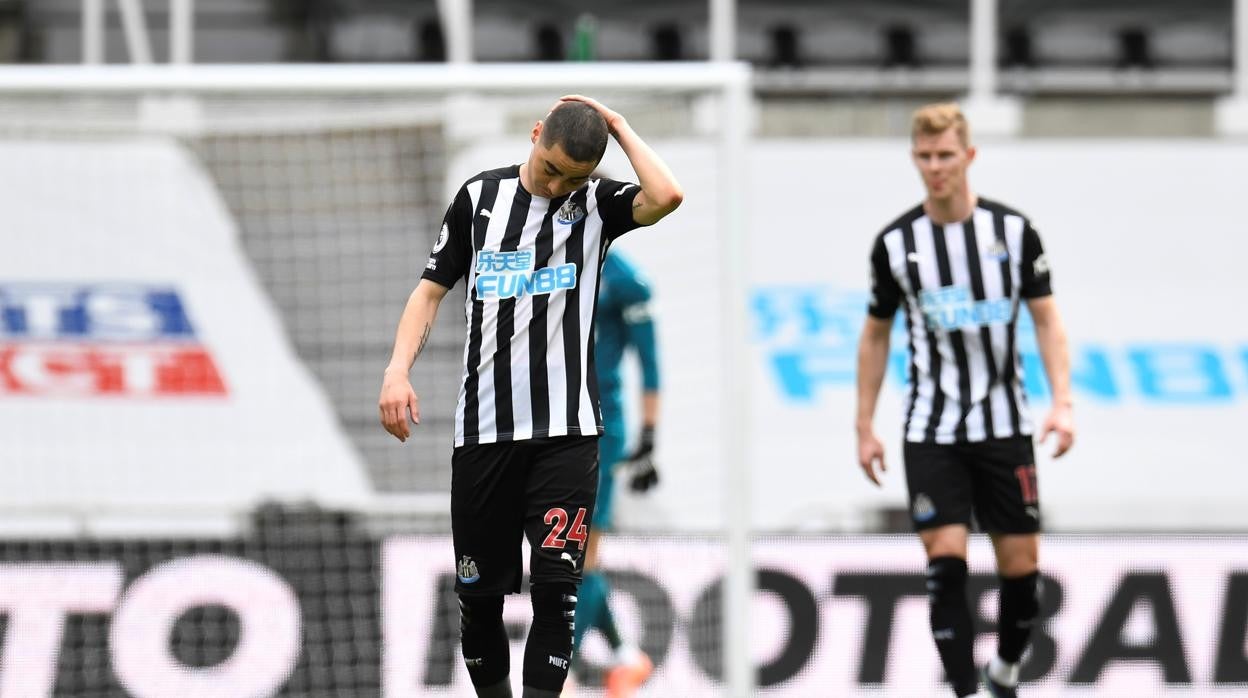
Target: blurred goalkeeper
pixel 623 320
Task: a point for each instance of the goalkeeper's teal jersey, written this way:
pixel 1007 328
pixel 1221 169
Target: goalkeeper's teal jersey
pixel 623 320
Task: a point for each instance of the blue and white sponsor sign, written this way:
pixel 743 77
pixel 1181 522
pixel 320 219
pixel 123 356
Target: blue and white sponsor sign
pixel 808 337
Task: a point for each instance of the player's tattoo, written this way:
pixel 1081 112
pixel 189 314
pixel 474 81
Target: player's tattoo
pixel 423 339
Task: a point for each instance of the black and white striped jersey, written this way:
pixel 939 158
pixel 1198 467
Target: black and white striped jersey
pixel 960 286
pixel 532 269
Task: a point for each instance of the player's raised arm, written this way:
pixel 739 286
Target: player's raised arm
pixel 398 399
pixel 660 192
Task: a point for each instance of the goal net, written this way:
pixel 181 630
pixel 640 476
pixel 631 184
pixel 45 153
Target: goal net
pixel 202 273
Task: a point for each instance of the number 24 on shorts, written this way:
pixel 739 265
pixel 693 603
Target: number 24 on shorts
pixel 557 518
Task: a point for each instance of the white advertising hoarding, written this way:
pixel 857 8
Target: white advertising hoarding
pixel 142 366
pixel 837 616
pixel 1126 617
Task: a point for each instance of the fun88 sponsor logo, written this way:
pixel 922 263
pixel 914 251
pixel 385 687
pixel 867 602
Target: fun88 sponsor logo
pixel 511 275
pixel 82 340
pixel 953 308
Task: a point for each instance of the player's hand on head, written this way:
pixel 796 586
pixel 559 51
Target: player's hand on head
pixel 614 118
pixel 398 400
pixel 1061 421
pixel 871 452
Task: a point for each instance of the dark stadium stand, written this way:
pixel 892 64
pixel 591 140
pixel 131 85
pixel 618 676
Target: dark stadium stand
pixel 1035 34
pixel 14 37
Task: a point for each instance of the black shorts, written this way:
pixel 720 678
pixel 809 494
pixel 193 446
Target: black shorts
pixel 996 479
pixel 540 488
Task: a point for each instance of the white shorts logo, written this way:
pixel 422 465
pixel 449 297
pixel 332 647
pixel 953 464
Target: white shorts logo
pixel 923 509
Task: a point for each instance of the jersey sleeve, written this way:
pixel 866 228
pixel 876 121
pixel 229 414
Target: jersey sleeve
pixel 885 291
pixel 615 206
pixel 1034 271
pixel 452 251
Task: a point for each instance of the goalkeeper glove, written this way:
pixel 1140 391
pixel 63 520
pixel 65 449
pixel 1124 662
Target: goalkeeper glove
pixel 645 475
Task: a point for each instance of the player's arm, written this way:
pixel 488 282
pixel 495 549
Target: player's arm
pixel 660 192
pixel 448 262
pixel 643 337
pixel 872 362
pixel 1055 352
pixel 397 396
pixel 873 347
pixel 645 472
pixel 1037 288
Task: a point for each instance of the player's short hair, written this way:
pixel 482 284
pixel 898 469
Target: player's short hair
pixel 579 128
pixel 935 119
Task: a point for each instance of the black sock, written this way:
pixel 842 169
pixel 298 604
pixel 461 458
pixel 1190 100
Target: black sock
pixel 951 622
pixel 502 689
pixel 549 648
pixel 1020 604
pixel 484 641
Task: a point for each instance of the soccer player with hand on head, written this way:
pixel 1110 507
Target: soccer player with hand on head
pixel 528 240
pixel 961 265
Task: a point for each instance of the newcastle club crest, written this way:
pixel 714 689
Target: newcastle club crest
pixel 570 212
pixel 467 570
